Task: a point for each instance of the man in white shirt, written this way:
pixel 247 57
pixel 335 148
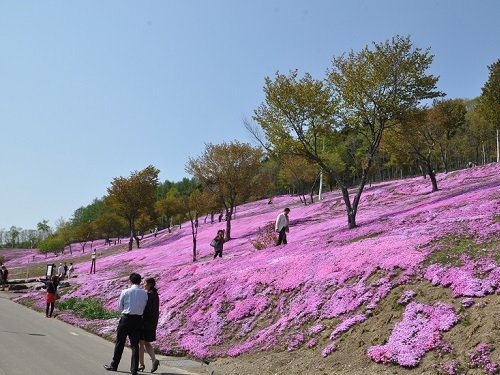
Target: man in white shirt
pixel 281 226
pixel 60 271
pixel 131 303
pixel 93 258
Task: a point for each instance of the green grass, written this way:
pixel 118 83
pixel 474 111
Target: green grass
pixel 364 237
pixel 451 248
pixel 89 308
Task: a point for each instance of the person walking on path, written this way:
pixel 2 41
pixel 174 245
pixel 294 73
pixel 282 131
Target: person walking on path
pixel 149 324
pixel 131 304
pixel 93 258
pixel 218 243
pixel 282 223
pixel 51 296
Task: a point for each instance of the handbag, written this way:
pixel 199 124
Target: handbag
pixel 213 243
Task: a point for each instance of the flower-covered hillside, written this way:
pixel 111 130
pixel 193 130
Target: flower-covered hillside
pixel 308 295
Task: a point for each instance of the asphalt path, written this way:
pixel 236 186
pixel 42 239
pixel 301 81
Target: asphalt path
pixel 31 344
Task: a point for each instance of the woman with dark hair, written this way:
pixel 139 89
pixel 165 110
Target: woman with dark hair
pixel 149 324
pixel 218 243
pixel 50 297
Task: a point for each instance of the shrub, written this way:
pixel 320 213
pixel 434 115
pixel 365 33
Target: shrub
pixel 266 237
pixel 89 308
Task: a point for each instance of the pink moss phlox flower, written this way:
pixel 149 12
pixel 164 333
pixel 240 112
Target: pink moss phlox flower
pixel 312 343
pixel 295 341
pixel 463 280
pixel 315 329
pixel 346 324
pixel 467 302
pixel 406 297
pixel 328 350
pixel 479 357
pixel 450 368
pixel 416 334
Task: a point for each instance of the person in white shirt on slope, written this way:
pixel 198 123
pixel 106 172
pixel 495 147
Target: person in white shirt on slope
pixel 281 226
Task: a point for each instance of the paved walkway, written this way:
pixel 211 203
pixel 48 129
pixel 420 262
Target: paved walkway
pixel 34 345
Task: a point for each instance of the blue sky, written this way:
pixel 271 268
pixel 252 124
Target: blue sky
pixel 91 90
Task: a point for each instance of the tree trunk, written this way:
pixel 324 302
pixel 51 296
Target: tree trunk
pixel 432 176
pixel 194 232
pixel 229 214
pixel 132 233
pixel 351 215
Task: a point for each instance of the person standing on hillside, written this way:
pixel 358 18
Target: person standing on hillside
pixel 93 257
pixel 60 271
pixel 218 243
pixel 70 270
pixel 131 304
pixel 281 226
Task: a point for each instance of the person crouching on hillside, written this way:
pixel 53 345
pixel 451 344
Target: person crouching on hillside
pixel 281 226
pixel 218 243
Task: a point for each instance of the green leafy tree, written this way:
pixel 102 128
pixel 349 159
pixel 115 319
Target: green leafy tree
pixel 229 171
pixel 169 206
pixel 490 101
pixel 194 205
pixel 13 235
pixel 110 224
pixel 85 233
pixel 44 228
pixel 89 213
pixel 52 244
pixel 301 174
pixel 417 138
pixel 367 92
pixel 447 116
pixel 132 196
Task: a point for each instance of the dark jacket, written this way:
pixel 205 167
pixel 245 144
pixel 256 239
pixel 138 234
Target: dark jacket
pixel 219 243
pixel 51 287
pixel 152 309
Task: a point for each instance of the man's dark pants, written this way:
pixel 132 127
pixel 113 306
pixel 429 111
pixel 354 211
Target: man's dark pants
pixel 282 237
pixel 129 325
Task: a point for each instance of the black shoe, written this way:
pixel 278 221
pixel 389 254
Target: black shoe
pixel 155 366
pixel 110 368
